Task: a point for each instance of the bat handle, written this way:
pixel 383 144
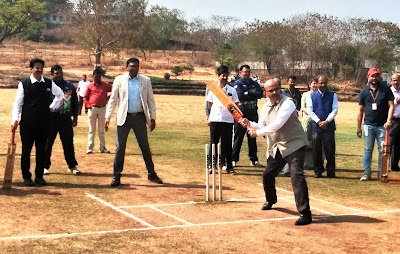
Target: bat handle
pixel 13 137
pixel 387 136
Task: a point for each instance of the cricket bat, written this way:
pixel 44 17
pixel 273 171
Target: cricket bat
pixel 225 100
pixel 385 159
pixel 8 173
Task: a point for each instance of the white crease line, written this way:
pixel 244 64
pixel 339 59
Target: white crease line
pixel 347 207
pixel 312 208
pixel 180 226
pixel 331 203
pixel 172 216
pixel 153 205
pixel 120 210
pixel 190 203
pixel 354 209
pixel 140 229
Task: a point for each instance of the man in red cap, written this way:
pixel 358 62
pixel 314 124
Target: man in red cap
pixel 376 104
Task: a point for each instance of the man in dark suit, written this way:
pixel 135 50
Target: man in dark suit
pixel 35 97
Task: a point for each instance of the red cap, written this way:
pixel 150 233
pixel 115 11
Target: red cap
pixel 373 71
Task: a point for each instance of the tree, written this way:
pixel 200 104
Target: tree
pixel 177 70
pixel 21 16
pixel 156 29
pixel 266 40
pixel 101 23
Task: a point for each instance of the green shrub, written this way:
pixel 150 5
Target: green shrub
pixel 167 76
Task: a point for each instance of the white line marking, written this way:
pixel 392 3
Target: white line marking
pixel 140 229
pixel 182 226
pixel 325 201
pixel 152 205
pixel 119 210
pixel 172 216
pixel 347 207
pixel 191 203
pixel 312 208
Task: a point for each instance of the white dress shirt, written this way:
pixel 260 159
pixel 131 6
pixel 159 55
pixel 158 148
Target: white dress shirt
pixel 396 113
pixel 285 111
pixel 331 116
pixel 19 99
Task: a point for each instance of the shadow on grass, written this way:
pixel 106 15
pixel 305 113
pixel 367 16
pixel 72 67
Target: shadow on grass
pixel 87 186
pixel 345 219
pixel 284 210
pixel 105 175
pixel 185 185
pixel 19 192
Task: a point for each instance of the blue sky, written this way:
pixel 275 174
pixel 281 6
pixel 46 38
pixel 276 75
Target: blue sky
pixel 276 10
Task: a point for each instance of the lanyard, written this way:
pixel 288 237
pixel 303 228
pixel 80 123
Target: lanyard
pixel 372 95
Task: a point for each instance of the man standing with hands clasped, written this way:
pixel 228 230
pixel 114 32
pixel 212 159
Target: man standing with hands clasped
pixel 322 107
pixel 136 110
pixel 376 103
pixel 286 144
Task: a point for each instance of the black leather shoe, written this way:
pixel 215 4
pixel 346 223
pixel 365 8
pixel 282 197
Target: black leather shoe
pixel 29 182
pixel 317 175
pixel 303 220
pixel 115 182
pixel 154 178
pixel 331 176
pixel 287 174
pixel 268 205
pixel 40 181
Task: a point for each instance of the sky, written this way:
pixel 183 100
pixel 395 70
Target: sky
pixel 276 10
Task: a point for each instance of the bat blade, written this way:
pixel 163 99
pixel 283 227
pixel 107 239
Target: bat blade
pixel 225 100
pixel 385 163
pixel 8 172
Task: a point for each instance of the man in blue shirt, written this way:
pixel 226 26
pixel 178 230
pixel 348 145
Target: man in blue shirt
pixel 248 91
pixel 376 103
pixel 322 107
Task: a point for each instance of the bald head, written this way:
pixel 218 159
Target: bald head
pixel 394 80
pixel 278 80
pixel 272 90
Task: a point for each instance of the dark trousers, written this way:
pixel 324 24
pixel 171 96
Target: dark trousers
pixel 31 134
pixel 299 184
pixel 238 139
pixel 136 122
pixel 80 105
pixel 222 131
pixel 324 141
pixel 61 125
pixel 394 140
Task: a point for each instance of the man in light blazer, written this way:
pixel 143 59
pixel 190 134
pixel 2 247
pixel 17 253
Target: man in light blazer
pixel 136 110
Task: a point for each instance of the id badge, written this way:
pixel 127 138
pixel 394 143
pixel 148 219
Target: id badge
pixel 374 106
